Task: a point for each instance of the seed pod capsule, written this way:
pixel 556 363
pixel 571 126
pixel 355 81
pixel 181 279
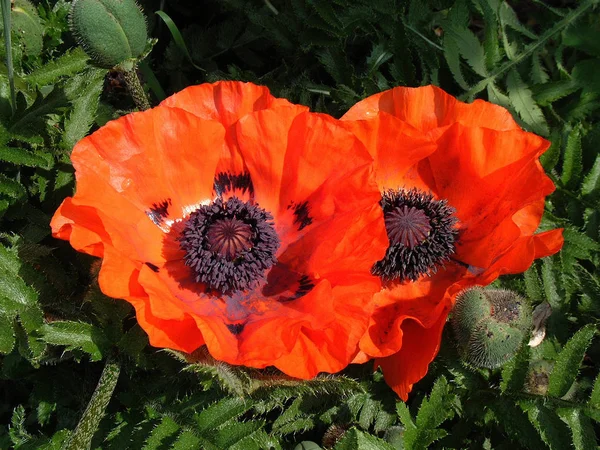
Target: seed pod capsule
pixel 111 32
pixel 490 325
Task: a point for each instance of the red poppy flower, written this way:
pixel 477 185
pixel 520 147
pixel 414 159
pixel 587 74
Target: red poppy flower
pixel 233 219
pixel 463 196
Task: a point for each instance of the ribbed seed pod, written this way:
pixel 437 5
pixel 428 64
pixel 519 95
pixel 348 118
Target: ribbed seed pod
pixel 490 325
pixel 110 31
pixel 27 29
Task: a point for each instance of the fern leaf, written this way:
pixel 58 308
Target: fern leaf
pixel 76 335
pixel 590 187
pixel 23 157
pixel 84 92
pixel 572 165
pixel 522 100
pixel 569 360
pixel 162 434
pixel 66 65
pixel 221 412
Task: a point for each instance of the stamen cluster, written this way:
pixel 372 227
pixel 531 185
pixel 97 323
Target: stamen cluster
pixel 229 244
pixel 421 231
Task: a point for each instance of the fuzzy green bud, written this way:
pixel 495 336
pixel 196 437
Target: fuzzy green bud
pixel 490 325
pixel 112 32
pixel 27 29
pixel 538 377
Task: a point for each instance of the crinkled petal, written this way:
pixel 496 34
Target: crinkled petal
pixel 420 346
pixel 430 109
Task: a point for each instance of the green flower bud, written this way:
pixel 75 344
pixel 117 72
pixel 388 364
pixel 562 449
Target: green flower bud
pixel 112 32
pixel 538 377
pixel 333 434
pixel 27 29
pixel 395 437
pixel 490 325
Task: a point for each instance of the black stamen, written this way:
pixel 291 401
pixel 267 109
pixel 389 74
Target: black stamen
pixel 422 232
pixel 229 245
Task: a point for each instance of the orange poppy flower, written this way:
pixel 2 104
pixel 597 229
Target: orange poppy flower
pixel 236 220
pixel 463 196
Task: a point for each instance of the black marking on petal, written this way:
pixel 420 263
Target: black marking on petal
pixel 153 267
pixel 158 212
pixel 305 286
pixel 235 328
pixel 226 182
pixel 301 214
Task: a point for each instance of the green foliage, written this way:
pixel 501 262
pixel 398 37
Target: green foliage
pixel 58 331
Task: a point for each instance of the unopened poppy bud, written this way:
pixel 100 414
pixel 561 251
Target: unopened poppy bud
pixel 538 377
pixel 333 434
pixel 112 32
pixel 490 325
pixel 27 29
pixel 395 437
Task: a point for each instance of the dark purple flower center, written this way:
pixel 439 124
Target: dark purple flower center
pixel 229 245
pixel 229 237
pixel 422 232
pixel 408 226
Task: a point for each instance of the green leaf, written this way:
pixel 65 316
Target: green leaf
pixel 594 401
pixel 221 412
pixel 584 437
pixel 432 413
pixel 452 55
pixel 163 432
pixel 509 18
pixel 7 332
pixel 569 360
pixel 514 372
pixel 76 335
pixel 355 439
pixel 522 100
pixel 590 187
pixel 187 440
pixel 66 65
pixel 515 423
pixel 84 92
pixel 11 188
pixel 23 157
pixel 177 38
pixel 552 430
pixel 572 165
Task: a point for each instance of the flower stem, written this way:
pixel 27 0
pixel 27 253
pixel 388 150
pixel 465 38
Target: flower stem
pixel 87 426
pixel 135 89
pixel 6 11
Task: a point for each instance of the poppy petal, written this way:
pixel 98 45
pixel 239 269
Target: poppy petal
pixel 420 346
pixel 430 109
pixel 225 101
pixel 395 145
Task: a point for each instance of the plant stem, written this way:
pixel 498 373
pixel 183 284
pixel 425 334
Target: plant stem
pixel 6 10
pixel 88 424
pixel 135 89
